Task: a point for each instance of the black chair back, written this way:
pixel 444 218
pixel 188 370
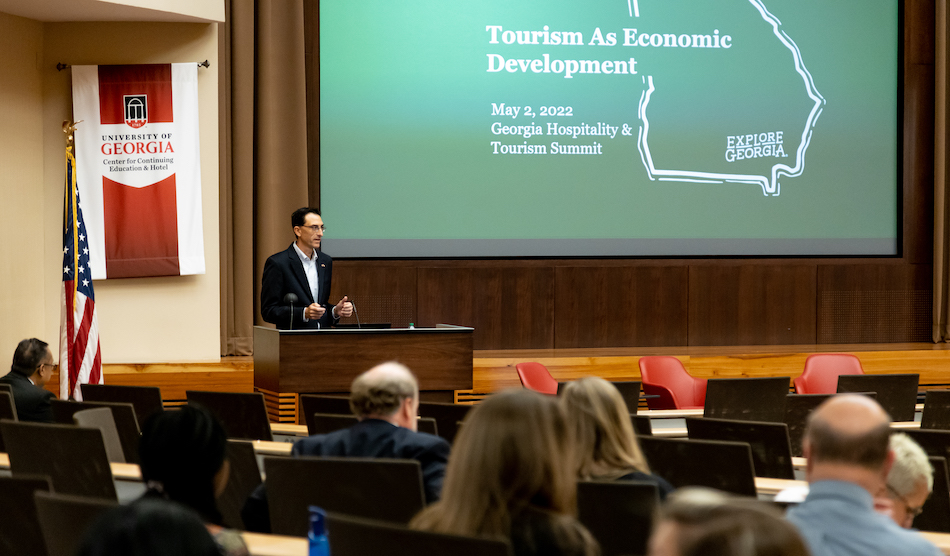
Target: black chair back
pixel 74 458
pixel 642 426
pixel 126 422
pixel 936 511
pixel 747 399
pixel 322 423
pixel 64 519
pixel 897 393
pixel 7 406
pixel 4 387
pixel 352 536
pixel 936 410
pixel 243 414
pixel 618 513
pixel 726 466
pixel 327 405
pixel 147 400
pixel 101 418
pixel 446 415
pixel 630 391
pixel 797 409
pixel 20 532
pixel 244 478
pixel 935 443
pixel 7 411
pixel 384 489
pixel 428 425
pixel 771 451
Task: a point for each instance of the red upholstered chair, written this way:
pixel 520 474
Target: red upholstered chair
pixel 822 371
pixel 535 376
pixel 666 377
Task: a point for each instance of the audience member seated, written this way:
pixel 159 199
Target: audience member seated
pixel 846 444
pixel 703 522
pixel 908 484
pixel 511 477
pixel 183 459
pixel 386 401
pixel 148 528
pixel 32 368
pixel 606 445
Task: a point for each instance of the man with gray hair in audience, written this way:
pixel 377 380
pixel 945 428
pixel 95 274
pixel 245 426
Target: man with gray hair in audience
pixel 386 401
pixel 910 481
pixel 846 444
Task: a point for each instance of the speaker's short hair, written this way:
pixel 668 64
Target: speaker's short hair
pixel 299 215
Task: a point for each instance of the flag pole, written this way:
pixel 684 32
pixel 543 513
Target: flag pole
pixel 80 360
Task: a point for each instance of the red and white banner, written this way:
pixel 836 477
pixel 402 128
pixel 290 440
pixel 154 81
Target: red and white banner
pixel 138 167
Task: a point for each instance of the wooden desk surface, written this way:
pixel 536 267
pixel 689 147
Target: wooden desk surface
pixel 267 448
pixel 942 540
pixel 288 429
pixel 670 413
pixel 771 487
pixel 120 471
pixel 275 545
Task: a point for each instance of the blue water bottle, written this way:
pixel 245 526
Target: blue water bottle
pixel 319 545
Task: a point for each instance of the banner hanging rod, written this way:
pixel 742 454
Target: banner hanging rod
pixel 61 66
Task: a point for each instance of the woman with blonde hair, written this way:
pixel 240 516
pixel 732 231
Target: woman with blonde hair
pixel 510 476
pixel 607 449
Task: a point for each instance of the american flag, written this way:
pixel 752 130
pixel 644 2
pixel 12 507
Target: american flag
pixel 79 357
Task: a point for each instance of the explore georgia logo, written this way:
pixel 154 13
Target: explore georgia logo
pixel 742 147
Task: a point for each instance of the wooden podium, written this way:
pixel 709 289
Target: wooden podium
pixel 292 362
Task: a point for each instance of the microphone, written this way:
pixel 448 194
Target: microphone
pixel 291 298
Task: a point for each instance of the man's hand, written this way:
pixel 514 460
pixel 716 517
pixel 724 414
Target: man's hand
pixel 314 311
pixel 344 308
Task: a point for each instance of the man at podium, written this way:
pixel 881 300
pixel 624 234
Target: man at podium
pixel 295 285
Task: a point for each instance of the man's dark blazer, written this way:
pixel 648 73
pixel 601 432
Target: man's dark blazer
pixel 32 402
pixel 283 274
pixel 373 438
pixel 370 438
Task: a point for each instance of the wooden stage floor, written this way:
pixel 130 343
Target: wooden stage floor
pixel 495 370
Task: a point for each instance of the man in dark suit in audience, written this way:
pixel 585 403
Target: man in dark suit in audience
pixel 386 401
pixel 32 368
pixel 846 443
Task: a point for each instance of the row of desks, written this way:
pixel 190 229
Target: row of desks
pixel 277 545
pixel 667 423
pixel 131 472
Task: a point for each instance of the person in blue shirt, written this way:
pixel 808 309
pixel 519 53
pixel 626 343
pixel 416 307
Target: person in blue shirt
pixel 846 444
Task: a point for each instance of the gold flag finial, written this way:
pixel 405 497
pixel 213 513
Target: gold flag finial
pixel 69 128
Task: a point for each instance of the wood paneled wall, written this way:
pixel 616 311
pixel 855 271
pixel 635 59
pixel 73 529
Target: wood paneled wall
pixel 545 304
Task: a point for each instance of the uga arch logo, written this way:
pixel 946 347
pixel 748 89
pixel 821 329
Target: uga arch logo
pixel 136 110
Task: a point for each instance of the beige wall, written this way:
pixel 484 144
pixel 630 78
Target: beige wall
pixel 141 320
pixel 23 231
